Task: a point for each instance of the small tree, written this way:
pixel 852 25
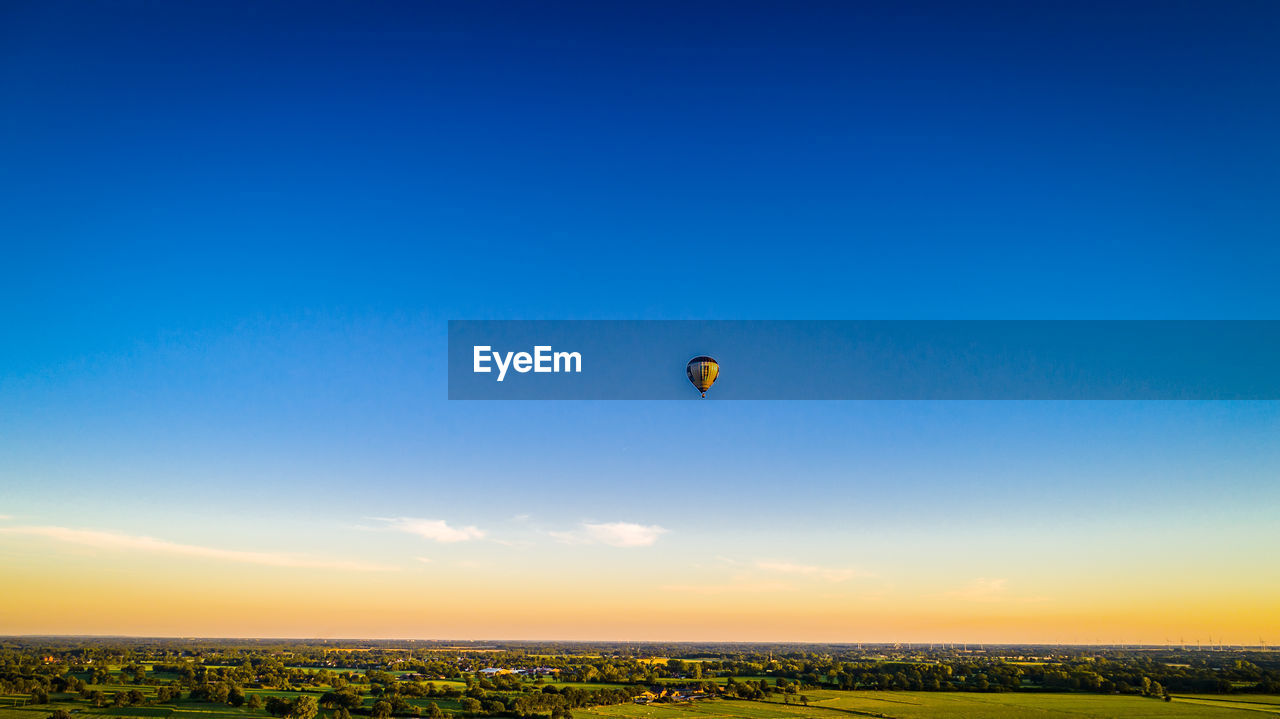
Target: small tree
pixel 304 707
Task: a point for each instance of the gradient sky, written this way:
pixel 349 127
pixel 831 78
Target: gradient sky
pixel 233 235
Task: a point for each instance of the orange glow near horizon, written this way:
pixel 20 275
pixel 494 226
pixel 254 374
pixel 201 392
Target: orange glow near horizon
pixel 104 594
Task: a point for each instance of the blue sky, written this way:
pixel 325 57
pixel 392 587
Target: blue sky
pixel 233 236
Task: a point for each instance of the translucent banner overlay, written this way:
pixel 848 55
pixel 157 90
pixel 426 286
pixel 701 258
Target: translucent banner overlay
pixel 923 360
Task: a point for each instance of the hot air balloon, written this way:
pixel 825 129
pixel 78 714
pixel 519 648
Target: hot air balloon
pixel 702 371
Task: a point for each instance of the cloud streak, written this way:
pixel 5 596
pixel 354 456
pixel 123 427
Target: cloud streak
pixel 151 545
pixel 733 588
pixel 983 589
pixel 437 530
pixel 831 574
pixel 614 534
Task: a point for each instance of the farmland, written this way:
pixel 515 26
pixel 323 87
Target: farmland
pixel 223 679
pixel 823 705
pixel 942 705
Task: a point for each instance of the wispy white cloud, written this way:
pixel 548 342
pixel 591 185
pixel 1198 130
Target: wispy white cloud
pixel 516 543
pixel 615 534
pixel 6 516
pixel 129 542
pixel 730 588
pixel 831 574
pixel 983 589
pixel 436 530
pixel 424 560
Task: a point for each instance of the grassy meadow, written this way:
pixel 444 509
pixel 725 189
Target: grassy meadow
pixel 822 705
pixel 949 705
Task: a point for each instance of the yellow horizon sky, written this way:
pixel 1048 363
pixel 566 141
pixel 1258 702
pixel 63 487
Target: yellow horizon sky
pixel 65 588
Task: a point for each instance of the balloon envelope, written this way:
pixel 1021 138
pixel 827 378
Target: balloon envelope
pixel 702 372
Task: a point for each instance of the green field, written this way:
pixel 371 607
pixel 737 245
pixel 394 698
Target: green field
pixel 823 704
pixel 951 705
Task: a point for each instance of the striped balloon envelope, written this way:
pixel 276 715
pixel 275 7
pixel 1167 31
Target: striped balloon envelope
pixel 702 371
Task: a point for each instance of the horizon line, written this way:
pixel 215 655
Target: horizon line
pixel 890 643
